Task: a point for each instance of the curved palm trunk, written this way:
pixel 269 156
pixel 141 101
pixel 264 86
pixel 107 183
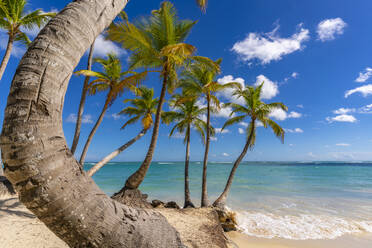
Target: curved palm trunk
pixel 188 202
pixel 93 132
pixel 6 57
pixel 37 160
pixel 82 102
pixel 134 181
pixel 221 200
pixel 112 155
pixel 204 196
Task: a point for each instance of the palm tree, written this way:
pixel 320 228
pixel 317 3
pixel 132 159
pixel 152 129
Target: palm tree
pixel 256 110
pixel 113 80
pixel 35 152
pixel 202 4
pixel 187 114
pixel 199 79
pixel 13 18
pixel 142 108
pixel 156 42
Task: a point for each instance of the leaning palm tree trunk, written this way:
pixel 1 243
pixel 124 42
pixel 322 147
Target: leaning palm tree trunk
pixel 188 202
pixel 204 196
pixel 134 181
pixel 221 200
pixel 82 102
pixel 6 58
pixel 93 132
pixel 37 160
pixel 112 155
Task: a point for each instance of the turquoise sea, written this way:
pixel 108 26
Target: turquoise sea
pixel 293 200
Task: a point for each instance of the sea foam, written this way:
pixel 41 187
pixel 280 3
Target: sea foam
pixel 301 227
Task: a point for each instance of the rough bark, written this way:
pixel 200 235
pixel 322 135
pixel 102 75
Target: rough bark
pixel 36 157
pixel 93 132
pixel 82 102
pixel 221 200
pixel 204 196
pixel 6 57
pixel 188 202
pixel 134 181
pixel 115 153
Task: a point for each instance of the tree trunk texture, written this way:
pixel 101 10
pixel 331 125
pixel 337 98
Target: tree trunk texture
pixel 93 132
pixel 204 196
pixel 188 203
pixel 134 181
pixel 115 153
pixel 221 200
pixel 82 102
pixel 37 161
pixel 6 58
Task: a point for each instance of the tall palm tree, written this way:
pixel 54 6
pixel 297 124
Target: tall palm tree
pixel 186 114
pixel 114 81
pixel 14 18
pixel 256 110
pixel 155 42
pixel 199 79
pixel 142 109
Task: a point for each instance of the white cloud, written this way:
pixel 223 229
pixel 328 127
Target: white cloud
pixel 342 111
pixel 244 124
pixel 270 47
pixel 366 109
pixel 296 130
pixel 102 47
pixel 178 135
pixel 300 106
pixel 220 131
pixel 328 29
pixel 281 115
pixel 364 90
pixel 241 130
pixel 87 119
pixel 223 112
pixel 310 154
pixel 18 49
pixel 213 138
pixel 269 89
pixel 342 144
pixel 364 76
pixel 116 116
pixel 227 93
pixel 342 118
pixel 295 75
pixel 225 154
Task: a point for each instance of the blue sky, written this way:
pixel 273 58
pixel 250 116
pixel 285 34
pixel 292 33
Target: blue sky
pixel 314 56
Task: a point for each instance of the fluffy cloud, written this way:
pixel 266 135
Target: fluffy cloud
pixel 220 131
pixel 223 112
pixel 87 119
pixel 300 106
pixel 328 29
pixel 269 90
pixel 342 111
pixel 364 76
pixel 270 46
pixel 366 109
pixel 241 130
pixel 364 90
pixel 281 115
pixel 244 124
pixel 342 118
pixel 295 75
pixel 296 130
pixel 342 144
pixel 227 93
pixel 225 154
pixel 102 47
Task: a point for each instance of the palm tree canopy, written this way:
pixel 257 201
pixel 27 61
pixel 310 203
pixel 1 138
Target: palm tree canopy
pixel 202 4
pixel 199 79
pixel 13 17
pixel 144 106
pixel 186 113
pixel 157 41
pixel 112 78
pixel 255 109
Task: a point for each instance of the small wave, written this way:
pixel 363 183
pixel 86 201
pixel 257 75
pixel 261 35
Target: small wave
pixel 302 227
pixel 165 163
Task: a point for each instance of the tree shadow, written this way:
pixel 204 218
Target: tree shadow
pixel 8 207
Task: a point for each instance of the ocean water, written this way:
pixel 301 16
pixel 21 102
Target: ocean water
pixel 322 200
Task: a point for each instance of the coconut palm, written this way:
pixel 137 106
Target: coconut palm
pixel 186 114
pixel 199 79
pixel 155 42
pixel 114 81
pixel 256 110
pixel 142 109
pixel 15 20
